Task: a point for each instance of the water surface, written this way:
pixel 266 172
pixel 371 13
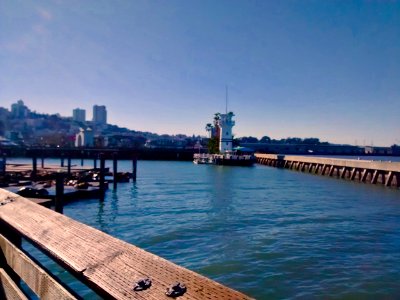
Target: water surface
pixel 270 233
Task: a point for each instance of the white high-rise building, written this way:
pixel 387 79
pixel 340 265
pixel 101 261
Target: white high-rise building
pixel 225 124
pixel 99 115
pixel 79 115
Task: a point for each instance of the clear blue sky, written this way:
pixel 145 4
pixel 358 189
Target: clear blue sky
pixel 327 69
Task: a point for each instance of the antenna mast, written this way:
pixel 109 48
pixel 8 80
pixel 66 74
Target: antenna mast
pixel 226 99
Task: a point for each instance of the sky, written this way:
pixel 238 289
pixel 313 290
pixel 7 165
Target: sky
pixel 326 69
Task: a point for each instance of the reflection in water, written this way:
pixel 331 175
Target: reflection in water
pixel 100 212
pixel 268 232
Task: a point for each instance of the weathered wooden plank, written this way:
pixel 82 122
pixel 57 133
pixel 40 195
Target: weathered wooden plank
pixel 41 283
pixel 109 265
pixel 8 289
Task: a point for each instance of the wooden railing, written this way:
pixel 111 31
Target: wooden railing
pixel 109 266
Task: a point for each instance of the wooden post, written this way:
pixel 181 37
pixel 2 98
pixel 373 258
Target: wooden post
pixel 95 163
pixel 69 166
pixel 42 158
pixel 62 160
pixel 115 170
pixel 134 168
pixel 82 153
pixel 389 179
pixel 4 169
pixel 34 168
pixel 59 201
pixel 102 183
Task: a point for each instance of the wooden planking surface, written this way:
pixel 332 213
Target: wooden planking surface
pixel 35 277
pixel 103 261
pixel 8 289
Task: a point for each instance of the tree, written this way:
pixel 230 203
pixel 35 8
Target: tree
pixel 213 145
pixel 265 139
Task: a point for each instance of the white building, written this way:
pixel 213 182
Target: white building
pixel 225 124
pixel 84 138
pixel 79 115
pixel 99 115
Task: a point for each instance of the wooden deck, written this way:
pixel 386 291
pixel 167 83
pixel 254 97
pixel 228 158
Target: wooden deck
pixel 16 167
pixel 108 265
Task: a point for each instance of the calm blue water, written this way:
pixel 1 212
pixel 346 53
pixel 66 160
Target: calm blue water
pixel 270 233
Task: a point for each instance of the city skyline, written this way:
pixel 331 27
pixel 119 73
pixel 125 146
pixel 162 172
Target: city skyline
pixel 308 69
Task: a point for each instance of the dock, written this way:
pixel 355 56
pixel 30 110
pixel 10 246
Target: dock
pixel 367 171
pixel 111 267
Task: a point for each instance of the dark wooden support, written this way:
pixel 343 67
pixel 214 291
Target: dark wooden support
pixel 102 175
pixel 375 177
pixel 4 166
pixel 69 166
pixel 353 173
pixel 62 160
pixel 383 177
pixel 389 179
pixel 95 163
pixel 42 159
pixel 59 201
pixel 134 168
pixel 343 173
pixel 364 175
pixel 331 170
pixel 115 170
pixel 34 168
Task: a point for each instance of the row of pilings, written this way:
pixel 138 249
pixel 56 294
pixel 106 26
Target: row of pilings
pixel 375 172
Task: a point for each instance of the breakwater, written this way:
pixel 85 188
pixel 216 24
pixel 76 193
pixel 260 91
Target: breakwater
pixel 368 171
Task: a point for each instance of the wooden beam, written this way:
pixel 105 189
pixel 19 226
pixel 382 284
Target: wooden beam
pixel 364 175
pixel 41 283
pixel 8 288
pixel 109 265
pixel 375 177
pixel 343 173
pixel 353 173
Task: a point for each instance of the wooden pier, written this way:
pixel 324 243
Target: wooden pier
pixel 368 171
pixel 109 266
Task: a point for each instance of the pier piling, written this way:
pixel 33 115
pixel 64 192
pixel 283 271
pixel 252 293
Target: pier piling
pixel 367 171
pixel 134 168
pixel 34 168
pixel 69 166
pixel 102 175
pixel 59 201
pixel 115 170
pixel 4 164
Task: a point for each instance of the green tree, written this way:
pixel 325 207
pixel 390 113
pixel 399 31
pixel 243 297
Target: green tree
pixel 213 145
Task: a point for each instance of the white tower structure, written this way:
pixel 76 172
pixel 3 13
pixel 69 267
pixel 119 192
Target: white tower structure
pixel 225 124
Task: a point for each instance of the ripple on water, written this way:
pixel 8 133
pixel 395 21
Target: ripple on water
pixel 273 234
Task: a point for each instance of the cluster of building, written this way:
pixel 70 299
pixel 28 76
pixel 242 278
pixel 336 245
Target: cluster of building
pixel 21 126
